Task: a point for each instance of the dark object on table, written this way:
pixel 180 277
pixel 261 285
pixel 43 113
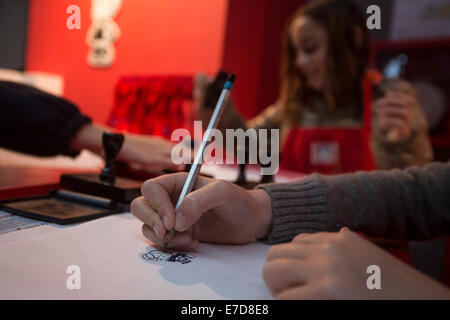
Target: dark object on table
pixel 82 197
pixel 111 145
pixel 242 180
pixel 123 190
pixel 107 185
pixel 62 207
pixel 266 179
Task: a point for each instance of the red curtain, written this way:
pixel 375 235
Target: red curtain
pixel 154 105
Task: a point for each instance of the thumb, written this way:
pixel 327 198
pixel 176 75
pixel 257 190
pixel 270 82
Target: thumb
pixel 200 201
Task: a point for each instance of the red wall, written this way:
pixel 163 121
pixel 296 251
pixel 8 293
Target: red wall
pixel 165 37
pixel 158 38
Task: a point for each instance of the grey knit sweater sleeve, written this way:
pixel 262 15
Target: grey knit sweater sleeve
pixel 398 204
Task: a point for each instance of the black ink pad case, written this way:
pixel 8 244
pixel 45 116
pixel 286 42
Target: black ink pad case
pixel 63 207
pixel 122 190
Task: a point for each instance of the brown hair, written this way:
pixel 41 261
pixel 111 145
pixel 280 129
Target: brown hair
pixel 347 59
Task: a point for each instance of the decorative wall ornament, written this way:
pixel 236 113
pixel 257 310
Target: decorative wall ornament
pixel 103 32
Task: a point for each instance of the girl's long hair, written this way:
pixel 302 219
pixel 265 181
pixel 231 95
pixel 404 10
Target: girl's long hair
pixel 348 58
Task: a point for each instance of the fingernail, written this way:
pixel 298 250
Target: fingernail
pixel 166 222
pixel 159 231
pixel 180 221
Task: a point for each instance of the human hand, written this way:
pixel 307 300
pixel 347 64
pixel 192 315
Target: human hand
pixel 334 266
pixel 393 113
pixel 149 152
pixel 217 212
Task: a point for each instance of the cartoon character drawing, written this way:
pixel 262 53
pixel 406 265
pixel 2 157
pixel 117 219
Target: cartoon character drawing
pixel 103 32
pixel 166 256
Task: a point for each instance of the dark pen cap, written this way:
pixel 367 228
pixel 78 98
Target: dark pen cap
pixel 231 77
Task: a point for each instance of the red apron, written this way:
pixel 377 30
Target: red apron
pixel 331 150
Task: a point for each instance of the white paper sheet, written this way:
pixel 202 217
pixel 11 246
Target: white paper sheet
pixel 109 252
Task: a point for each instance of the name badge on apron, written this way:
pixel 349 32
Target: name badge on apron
pixel 324 153
pixel 331 150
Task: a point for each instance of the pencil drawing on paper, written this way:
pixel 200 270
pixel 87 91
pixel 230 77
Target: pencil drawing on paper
pixel 167 256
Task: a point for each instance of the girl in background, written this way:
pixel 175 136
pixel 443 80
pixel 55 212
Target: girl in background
pixel 328 119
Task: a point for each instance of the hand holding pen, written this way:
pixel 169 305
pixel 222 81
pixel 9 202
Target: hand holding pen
pixel 198 160
pixel 216 211
pixel 213 213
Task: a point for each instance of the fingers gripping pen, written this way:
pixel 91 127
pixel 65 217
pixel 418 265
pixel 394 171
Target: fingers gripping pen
pixel 198 160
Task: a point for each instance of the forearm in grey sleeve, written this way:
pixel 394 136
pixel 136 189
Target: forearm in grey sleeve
pixel 410 204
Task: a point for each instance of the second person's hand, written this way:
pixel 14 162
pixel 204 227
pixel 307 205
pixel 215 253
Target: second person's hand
pixel 151 153
pixel 333 265
pixel 394 113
